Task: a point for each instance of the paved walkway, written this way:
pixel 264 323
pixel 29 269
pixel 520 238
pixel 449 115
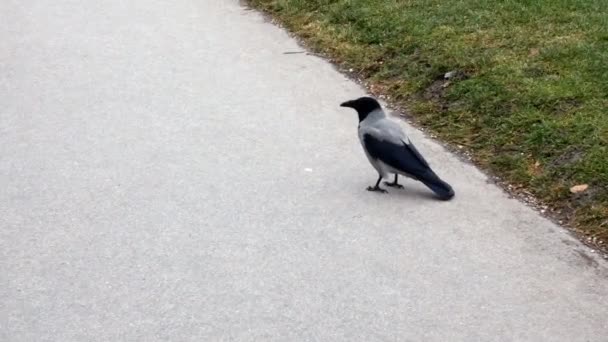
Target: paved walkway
pixel 169 173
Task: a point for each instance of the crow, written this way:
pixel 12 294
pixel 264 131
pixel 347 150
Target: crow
pixel 389 150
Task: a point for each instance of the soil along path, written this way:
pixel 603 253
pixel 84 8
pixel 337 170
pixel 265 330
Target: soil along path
pixel 171 170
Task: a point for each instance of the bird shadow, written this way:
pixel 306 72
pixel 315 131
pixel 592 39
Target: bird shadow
pixel 413 193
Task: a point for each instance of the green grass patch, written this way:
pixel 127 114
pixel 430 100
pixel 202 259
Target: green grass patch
pixel 530 100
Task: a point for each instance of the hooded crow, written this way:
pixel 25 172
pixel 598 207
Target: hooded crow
pixel 389 150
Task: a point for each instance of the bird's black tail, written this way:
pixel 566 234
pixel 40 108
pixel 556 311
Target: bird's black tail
pixel 442 189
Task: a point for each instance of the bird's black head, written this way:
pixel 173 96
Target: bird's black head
pixel 363 106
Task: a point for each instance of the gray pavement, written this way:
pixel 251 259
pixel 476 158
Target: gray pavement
pixel 168 173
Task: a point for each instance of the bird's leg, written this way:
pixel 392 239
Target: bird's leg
pixel 377 186
pixel 394 184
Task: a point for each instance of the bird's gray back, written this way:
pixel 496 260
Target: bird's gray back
pixel 382 128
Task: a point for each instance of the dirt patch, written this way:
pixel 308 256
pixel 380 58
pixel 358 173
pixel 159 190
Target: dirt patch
pixel 568 158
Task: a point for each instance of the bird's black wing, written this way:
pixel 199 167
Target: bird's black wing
pixel 404 157
pixel 407 159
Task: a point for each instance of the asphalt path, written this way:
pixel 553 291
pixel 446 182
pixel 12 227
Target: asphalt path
pixel 178 171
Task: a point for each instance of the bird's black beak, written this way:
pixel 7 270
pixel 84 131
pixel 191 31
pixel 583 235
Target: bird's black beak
pixel 347 104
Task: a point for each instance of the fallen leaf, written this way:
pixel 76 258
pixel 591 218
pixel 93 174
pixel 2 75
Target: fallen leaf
pixel 579 188
pixel 535 169
pixel 534 52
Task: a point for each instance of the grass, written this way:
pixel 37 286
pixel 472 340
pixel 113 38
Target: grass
pixel 530 96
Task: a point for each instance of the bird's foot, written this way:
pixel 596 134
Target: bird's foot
pixel 394 185
pixel 376 189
